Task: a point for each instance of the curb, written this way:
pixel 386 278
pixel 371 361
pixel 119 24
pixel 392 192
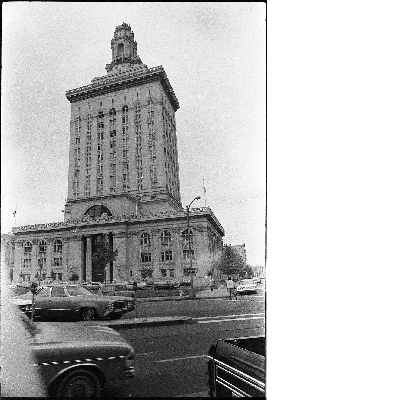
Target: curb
pixel 146 322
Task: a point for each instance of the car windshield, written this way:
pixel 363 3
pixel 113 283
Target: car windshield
pixel 78 291
pixel 246 281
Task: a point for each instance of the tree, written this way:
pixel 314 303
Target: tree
pixel 52 275
pixel 103 255
pixel 230 262
pixel 146 273
pixel 74 277
pixel 247 272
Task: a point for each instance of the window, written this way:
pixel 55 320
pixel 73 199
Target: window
pixel 172 273
pixel 27 261
pixel 186 237
pixel 145 239
pixel 163 272
pixel 58 246
pixel 58 291
pixel 97 211
pixel 166 255
pixel 166 237
pixel 27 247
pixel 45 292
pixel 186 254
pixel 57 261
pixel 146 274
pixel 42 246
pixel 145 257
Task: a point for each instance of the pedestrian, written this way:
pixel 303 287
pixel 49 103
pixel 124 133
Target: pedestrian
pixel 230 286
pixel 212 283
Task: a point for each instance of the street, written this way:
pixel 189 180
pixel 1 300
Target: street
pixel 171 360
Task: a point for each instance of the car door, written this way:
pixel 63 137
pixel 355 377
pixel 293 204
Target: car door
pixel 42 302
pixel 59 304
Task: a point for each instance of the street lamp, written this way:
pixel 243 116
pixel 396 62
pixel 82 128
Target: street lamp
pixel 192 294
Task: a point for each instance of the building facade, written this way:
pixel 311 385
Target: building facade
pixel 123 184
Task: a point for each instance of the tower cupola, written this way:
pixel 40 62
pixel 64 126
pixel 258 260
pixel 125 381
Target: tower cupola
pixel 124 49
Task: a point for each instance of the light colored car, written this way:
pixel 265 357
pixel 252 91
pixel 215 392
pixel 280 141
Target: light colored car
pixel 246 286
pixel 39 360
pixel 74 301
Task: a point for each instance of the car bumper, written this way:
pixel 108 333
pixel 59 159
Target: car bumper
pixel 119 386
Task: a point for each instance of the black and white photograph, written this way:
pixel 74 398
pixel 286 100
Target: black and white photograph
pixel 134 199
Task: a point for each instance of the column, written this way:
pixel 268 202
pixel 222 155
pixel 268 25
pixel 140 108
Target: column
pixel 120 267
pixel 34 259
pixel 89 258
pixel 18 255
pixel 75 256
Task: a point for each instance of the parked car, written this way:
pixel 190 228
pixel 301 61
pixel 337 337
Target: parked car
pixel 75 362
pixel 117 290
pixel 141 285
pixel 149 283
pixel 184 282
pixel 19 376
pixel 75 301
pixel 237 368
pixel 167 284
pixel 246 286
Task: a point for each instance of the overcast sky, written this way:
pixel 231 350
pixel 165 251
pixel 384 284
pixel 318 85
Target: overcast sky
pixel 214 55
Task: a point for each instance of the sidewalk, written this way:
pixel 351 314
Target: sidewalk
pixel 128 322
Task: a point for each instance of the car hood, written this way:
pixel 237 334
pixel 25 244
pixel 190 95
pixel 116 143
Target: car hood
pixel 27 298
pixel 59 333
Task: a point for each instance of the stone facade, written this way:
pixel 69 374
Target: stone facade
pixel 123 184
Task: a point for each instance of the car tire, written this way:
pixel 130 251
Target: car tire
pixel 78 383
pixel 88 314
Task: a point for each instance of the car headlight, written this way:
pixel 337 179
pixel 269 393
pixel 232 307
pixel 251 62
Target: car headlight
pixel 130 359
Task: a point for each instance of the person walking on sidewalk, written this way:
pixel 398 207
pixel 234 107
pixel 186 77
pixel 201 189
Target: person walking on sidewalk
pixel 231 288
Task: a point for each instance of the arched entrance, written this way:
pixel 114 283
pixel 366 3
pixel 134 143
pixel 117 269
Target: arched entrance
pixel 100 272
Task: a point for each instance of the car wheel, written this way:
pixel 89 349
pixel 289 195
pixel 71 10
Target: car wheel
pixel 116 316
pixel 79 383
pixel 88 314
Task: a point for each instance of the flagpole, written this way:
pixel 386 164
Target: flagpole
pixel 15 215
pixel 204 190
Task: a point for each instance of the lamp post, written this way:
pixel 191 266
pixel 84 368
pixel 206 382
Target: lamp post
pixel 192 294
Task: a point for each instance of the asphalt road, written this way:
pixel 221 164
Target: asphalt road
pixel 171 360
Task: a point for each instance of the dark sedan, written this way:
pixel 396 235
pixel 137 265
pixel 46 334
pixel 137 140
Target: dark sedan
pixel 74 301
pixel 41 359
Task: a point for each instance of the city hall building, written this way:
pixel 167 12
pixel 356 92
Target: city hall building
pixel 123 185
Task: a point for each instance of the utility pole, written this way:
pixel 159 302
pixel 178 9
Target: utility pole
pixel 192 293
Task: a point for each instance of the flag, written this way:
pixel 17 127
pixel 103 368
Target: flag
pixel 14 213
pixel 204 188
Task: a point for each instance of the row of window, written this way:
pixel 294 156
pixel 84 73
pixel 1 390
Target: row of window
pixel 144 258
pixel 145 238
pixel 43 246
pixel 166 256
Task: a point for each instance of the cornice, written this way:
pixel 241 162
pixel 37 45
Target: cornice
pixel 124 81
pixel 131 219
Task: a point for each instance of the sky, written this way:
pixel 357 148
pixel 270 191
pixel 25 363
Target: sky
pixel 214 55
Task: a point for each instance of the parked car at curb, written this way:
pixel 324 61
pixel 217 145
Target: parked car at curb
pixel 237 368
pixel 141 285
pixel 165 284
pixel 117 290
pixel 74 301
pixel 246 286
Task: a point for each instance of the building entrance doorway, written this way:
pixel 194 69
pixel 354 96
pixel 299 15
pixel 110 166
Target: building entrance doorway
pixel 100 271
